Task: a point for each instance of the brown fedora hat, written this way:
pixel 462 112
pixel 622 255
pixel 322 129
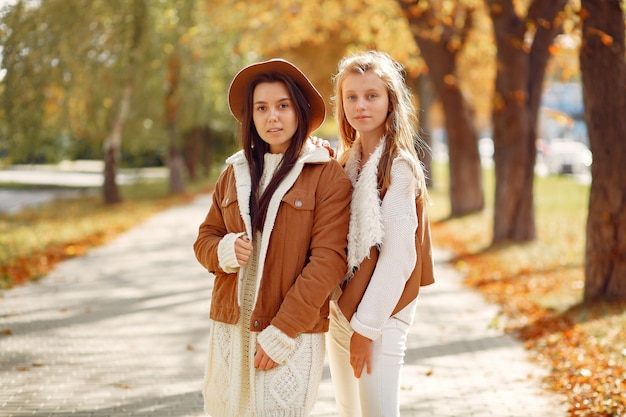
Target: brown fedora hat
pixel 241 82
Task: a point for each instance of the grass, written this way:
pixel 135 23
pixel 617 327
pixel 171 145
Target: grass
pixel 539 286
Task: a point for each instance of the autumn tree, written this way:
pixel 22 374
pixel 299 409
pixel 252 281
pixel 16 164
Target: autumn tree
pixel 523 42
pixel 441 34
pixel 80 75
pixel 315 35
pixel 112 143
pixel 35 80
pixel 176 26
pixel 72 77
pixel 604 88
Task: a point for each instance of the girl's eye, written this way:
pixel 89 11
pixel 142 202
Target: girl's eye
pixel 350 97
pixel 260 108
pixel 284 105
pixel 373 96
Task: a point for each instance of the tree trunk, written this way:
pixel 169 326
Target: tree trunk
pixel 466 187
pixel 426 97
pixel 206 150
pixel 110 190
pixel 604 90
pixel 113 143
pixel 518 89
pixel 197 152
pixel 175 159
pixel 112 146
pixel 176 165
pixel 192 145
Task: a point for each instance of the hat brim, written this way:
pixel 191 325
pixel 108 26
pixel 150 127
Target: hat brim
pixel 240 84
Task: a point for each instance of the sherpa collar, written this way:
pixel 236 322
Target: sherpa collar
pixel 310 154
pixel 366 225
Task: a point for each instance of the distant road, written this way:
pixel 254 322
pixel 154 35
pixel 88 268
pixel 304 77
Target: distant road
pixel 75 176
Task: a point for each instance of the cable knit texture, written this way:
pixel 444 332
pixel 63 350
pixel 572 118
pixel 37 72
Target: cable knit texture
pixel 232 386
pixel 276 344
pixel 226 252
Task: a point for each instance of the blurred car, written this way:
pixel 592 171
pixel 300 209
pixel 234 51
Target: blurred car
pixel 567 157
pixel 486 151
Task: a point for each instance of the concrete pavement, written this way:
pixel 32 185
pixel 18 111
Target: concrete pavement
pixel 122 331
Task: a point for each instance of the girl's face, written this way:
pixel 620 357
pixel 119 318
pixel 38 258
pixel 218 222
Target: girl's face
pixel 274 115
pixel 365 103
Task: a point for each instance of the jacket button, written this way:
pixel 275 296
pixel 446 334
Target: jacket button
pixel 256 323
pixel 298 203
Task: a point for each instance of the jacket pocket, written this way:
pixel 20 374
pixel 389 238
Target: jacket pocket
pixel 294 228
pixel 229 198
pixel 300 200
pixel 230 211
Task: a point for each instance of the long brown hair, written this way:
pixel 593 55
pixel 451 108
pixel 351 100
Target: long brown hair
pixel 255 148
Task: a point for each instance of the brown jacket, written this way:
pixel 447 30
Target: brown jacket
pixel 303 250
pixel 423 273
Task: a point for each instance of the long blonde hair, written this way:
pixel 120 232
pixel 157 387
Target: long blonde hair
pixel 401 135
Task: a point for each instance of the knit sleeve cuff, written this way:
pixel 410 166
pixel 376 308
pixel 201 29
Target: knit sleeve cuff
pixel 226 253
pixel 276 344
pixel 363 330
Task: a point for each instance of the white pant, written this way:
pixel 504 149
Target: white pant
pixel 375 394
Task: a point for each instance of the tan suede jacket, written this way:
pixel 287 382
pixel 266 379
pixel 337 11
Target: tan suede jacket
pixel 303 249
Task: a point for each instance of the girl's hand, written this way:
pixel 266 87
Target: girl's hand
pixel 243 248
pixel 262 361
pixel 322 143
pixel 360 354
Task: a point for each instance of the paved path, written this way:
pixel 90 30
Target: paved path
pixel 122 332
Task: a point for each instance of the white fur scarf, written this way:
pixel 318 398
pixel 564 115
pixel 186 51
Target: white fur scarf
pixel 366 225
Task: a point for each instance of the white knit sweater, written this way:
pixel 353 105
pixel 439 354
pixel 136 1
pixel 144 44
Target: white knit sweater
pixel 390 224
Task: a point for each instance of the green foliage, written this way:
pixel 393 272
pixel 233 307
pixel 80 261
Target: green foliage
pixel 65 64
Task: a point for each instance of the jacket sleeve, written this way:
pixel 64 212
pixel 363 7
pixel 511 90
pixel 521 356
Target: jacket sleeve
pixel 276 344
pixel 213 229
pixel 327 264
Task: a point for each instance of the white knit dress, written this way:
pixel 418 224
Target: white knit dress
pixel 232 386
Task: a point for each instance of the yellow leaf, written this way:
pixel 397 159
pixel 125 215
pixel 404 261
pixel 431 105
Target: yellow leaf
pixel 450 80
